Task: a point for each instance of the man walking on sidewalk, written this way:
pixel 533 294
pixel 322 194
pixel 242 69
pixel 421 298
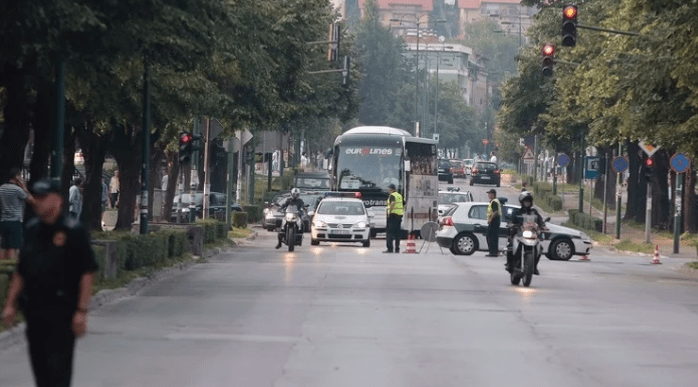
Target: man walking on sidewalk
pixel 52 286
pixel 75 198
pixel 13 196
pixel 493 223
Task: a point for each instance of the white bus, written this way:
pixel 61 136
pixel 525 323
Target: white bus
pixel 368 159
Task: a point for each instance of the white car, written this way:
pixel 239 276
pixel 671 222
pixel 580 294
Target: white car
pixel 448 198
pixel 468 166
pixel 341 219
pixel 463 230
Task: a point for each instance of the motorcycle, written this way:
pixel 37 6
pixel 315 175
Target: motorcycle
pixel 291 228
pixel 528 250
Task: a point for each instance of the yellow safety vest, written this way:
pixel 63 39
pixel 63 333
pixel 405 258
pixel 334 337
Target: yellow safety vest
pixel 489 208
pixel 395 207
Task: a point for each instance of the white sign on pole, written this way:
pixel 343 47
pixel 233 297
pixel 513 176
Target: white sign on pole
pixel 648 148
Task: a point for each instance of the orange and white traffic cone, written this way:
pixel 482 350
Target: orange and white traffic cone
pixel 655 260
pixel 411 245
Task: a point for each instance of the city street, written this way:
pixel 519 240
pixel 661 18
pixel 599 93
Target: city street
pixel 341 315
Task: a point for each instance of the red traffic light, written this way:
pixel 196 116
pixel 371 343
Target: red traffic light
pixel 186 138
pixel 649 162
pixel 570 12
pixel 548 49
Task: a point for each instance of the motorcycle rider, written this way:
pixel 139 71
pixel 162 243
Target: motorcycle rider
pixel 294 200
pixel 526 201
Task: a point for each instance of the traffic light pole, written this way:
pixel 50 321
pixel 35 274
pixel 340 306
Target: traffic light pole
pixel 618 195
pixel 599 29
pixel 581 177
pixel 648 212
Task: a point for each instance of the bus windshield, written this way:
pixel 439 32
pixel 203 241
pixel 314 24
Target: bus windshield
pixel 369 168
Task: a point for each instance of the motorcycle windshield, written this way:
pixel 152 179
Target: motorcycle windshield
pixel 291 210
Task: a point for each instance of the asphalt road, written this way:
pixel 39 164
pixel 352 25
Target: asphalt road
pixel 341 315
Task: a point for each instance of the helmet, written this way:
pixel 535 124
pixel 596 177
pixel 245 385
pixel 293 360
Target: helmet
pixel 295 193
pixel 525 195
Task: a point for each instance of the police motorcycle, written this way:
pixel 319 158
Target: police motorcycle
pixel 291 230
pixel 527 248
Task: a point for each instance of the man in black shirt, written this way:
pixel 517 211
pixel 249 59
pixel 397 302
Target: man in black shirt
pixel 293 201
pixel 53 284
pixel 526 201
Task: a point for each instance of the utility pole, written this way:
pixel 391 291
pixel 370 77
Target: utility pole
pixel 229 183
pixel 677 211
pixel 581 176
pixel 194 173
pixel 145 151
pixel 618 194
pixel 207 174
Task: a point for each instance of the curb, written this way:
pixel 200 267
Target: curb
pixel 15 336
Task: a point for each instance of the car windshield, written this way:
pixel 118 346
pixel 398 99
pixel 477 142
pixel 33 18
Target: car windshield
pixel 186 198
pixel 468 162
pixel 486 166
pixel 448 198
pixel 444 164
pixel 457 164
pixel 369 168
pixel 313 182
pixel 341 208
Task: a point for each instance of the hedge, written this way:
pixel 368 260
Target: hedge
pixel 240 219
pixel 544 191
pixel 254 213
pixel 213 229
pixel 585 221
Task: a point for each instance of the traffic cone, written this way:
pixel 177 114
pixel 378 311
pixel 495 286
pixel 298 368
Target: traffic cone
pixel 584 258
pixel 411 245
pixel 655 260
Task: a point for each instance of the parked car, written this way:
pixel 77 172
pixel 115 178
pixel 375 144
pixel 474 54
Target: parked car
pixel 341 219
pixel 468 166
pixel 312 181
pixel 463 230
pixel 445 172
pixel 485 173
pixel 458 168
pixel 272 213
pixel 448 198
pixel 216 206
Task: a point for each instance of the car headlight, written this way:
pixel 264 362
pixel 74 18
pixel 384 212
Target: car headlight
pixel 320 224
pixel 361 224
pixel 270 215
pixel 528 234
pixel 585 237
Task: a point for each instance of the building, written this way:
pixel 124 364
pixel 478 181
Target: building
pixel 509 14
pixel 408 12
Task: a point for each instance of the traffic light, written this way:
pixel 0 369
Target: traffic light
pixel 335 36
pixel 346 72
pixel 647 170
pixel 548 54
pixel 569 26
pixel 186 141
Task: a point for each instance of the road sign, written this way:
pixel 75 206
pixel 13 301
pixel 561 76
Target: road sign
pixel 528 154
pixel 680 163
pixel 485 141
pixel 529 141
pixel 592 167
pixel 435 136
pixel 619 164
pixel 563 160
pixel 648 148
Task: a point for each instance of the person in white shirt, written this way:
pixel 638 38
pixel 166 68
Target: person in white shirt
pixel 304 161
pixel 493 158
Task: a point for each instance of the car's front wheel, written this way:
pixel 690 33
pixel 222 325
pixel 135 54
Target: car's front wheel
pixel 561 250
pixel 464 244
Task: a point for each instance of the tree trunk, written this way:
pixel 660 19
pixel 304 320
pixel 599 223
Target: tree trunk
pixel 690 209
pixel 94 148
pixel 126 149
pixel 15 132
pixel 661 206
pixel 157 154
pixel 637 190
pixel 44 133
pixel 172 173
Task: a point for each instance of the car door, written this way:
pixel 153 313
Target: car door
pixel 478 217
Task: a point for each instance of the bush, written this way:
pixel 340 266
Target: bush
pixel 254 213
pixel 240 219
pixel 585 221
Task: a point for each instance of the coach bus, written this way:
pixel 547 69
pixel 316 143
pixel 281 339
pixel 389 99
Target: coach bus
pixel 368 159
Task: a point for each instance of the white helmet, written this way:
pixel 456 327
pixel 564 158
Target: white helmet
pixel 295 193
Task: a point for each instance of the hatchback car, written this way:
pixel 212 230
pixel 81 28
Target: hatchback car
pixel 485 173
pixel 463 230
pixel 448 198
pixel 445 171
pixel 341 219
pixel 458 168
pixel 272 214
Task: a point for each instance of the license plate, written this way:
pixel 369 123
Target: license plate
pixel 485 178
pixel 340 232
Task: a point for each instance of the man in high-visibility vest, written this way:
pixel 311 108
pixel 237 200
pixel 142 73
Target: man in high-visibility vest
pixel 394 212
pixel 493 223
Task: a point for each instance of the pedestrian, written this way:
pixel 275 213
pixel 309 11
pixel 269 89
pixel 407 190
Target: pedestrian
pixel 304 161
pixel 114 188
pixel 394 212
pixel 493 158
pixel 52 286
pixel 105 195
pixel 13 196
pixel 493 222
pixel 75 198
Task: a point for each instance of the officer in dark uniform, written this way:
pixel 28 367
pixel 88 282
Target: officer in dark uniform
pixel 53 284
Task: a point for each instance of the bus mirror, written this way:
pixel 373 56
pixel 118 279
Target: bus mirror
pixel 407 165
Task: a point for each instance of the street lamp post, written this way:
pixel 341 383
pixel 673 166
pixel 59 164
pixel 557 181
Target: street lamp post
pixel 418 22
pixel 518 12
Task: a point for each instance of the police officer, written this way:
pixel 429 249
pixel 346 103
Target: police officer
pixel 394 212
pixel 493 222
pixel 53 284
pixel 294 200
